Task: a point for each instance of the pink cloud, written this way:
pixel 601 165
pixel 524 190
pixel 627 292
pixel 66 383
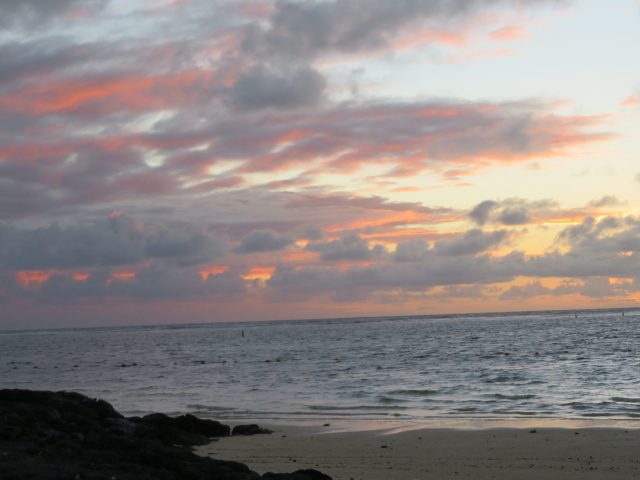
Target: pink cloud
pixel 631 101
pixel 508 33
pixel 105 94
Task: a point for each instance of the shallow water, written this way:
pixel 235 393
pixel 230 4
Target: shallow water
pixel 501 366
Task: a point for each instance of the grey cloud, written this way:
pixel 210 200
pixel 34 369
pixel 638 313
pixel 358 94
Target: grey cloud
pixel 532 289
pixel 33 59
pixel 478 292
pixel 100 169
pixel 185 245
pixel 471 243
pixel 264 88
pixel 510 212
pixel 514 216
pixel 350 247
pixel 306 29
pixel 161 282
pixel 594 287
pixel 313 233
pixel 32 13
pixel 481 212
pixel 265 240
pixel 118 240
pixel 606 236
pixel 605 201
pixel 154 282
pixel 599 287
pixel 412 251
pixel 596 252
pixel 419 276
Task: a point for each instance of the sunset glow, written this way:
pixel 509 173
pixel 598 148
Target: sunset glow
pixel 229 160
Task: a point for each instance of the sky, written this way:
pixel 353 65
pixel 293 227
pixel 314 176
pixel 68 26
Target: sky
pixel 169 161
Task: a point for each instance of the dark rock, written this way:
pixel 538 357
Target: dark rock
pixel 252 429
pixel 183 430
pixel 67 436
pixel 309 474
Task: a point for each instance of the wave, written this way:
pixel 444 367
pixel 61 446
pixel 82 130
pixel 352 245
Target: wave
pixel 625 400
pixel 210 408
pixel 500 396
pixel 415 392
pixel 331 408
pixel 385 399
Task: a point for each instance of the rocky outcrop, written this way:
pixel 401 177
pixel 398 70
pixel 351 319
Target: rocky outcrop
pixel 63 435
pixel 183 430
pixel 252 429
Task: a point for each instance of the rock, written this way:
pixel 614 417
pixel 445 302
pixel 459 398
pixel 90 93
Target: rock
pixel 183 430
pixel 252 429
pixel 309 474
pixel 64 435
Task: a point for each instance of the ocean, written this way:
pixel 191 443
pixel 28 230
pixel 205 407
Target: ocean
pixel 550 365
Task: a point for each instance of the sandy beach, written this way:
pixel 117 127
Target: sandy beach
pixel 496 453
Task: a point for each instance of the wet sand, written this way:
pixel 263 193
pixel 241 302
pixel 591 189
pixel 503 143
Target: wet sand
pixel 497 453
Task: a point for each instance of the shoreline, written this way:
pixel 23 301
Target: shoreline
pixel 393 425
pixel 539 452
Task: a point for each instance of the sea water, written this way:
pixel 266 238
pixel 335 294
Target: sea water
pixel 502 366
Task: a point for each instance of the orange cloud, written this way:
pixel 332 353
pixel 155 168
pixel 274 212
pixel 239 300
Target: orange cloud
pixel 508 33
pixel 259 273
pixel 28 278
pixel 215 270
pixel 632 101
pixel 425 37
pixel 103 95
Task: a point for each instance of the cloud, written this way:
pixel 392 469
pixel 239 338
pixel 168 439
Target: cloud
pixel 508 33
pixel 159 282
pixel 514 216
pixel 595 287
pixel 177 156
pixel 605 201
pixel 156 282
pixel 116 241
pixel 481 212
pixel 263 241
pixel 34 13
pixel 604 249
pixel 631 101
pixel 510 212
pixel 532 289
pixel 412 251
pixel 307 29
pixel 471 243
pixel 350 247
pixel 605 236
pixel 262 88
